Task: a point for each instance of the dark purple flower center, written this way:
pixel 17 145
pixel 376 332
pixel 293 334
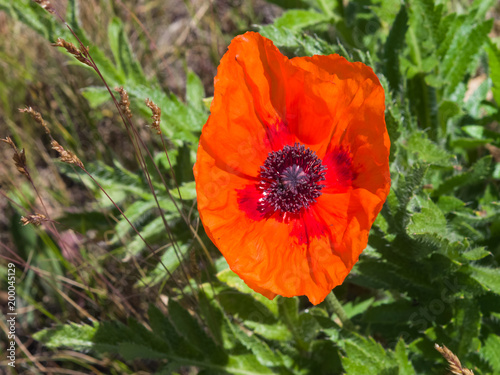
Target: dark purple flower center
pixel 290 180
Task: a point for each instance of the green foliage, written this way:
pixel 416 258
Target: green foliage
pixel 430 274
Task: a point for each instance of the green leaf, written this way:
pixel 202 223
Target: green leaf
pixel 467 325
pixel 276 331
pixel 494 65
pixel 409 185
pixel 170 260
pixel 405 366
pixel 74 336
pixel 246 364
pixel 432 16
pixel 479 8
pixel 152 231
pixel 96 96
pixel 259 348
pixel 466 44
pixel 134 213
pixel 489 352
pixel 396 312
pixel 188 327
pixel 234 281
pixel 393 46
pixel 131 351
pixel 122 52
pixel 195 93
pixel 304 44
pixel 163 327
pixel 299 19
pixel 475 174
pixel 365 356
pixel 448 203
pixel 476 254
pixel 352 309
pixel 427 151
pixel 429 220
pixel 489 278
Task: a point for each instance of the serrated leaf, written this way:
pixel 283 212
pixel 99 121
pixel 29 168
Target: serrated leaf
pixel 494 67
pixel 246 364
pixel 405 366
pixel 489 278
pixel 187 191
pixel 122 52
pixel 429 220
pixel 392 47
pixel 490 350
pixel 427 151
pixel 164 328
pixel 259 348
pixel 479 171
pixel 397 312
pixel 448 203
pixel 195 91
pixel 409 186
pixel 189 328
pixel 276 331
pixel 299 19
pixel 234 281
pixel 354 308
pixel 134 212
pixel 170 261
pixel 466 44
pixel 476 254
pixel 365 356
pixel 74 336
pixel 467 323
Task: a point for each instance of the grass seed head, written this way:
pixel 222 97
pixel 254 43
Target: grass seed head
pixel 66 156
pixel 37 117
pixel 455 365
pixel 124 101
pixel 156 115
pixel 19 157
pixel 35 219
pixel 71 48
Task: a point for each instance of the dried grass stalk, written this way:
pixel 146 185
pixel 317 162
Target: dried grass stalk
pixel 455 365
pixel 71 48
pixel 37 117
pixel 66 156
pixel 19 157
pixel 35 219
pixel 124 101
pixel 156 115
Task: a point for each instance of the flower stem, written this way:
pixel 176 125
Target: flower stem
pixel 334 307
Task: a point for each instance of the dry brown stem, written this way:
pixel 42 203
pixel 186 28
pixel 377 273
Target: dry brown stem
pixel 455 365
pixel 124 101
pixel 71 48
pixel 37 117
pixel 156 115
pixel 19 157
pixel 35 219
pixel 66 156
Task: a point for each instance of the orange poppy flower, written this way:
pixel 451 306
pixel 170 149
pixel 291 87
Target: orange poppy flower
pixel 292 167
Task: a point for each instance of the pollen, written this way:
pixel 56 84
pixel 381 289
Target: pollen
pixel 290 180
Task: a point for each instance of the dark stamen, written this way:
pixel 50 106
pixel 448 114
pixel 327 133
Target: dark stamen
pixel 290 180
